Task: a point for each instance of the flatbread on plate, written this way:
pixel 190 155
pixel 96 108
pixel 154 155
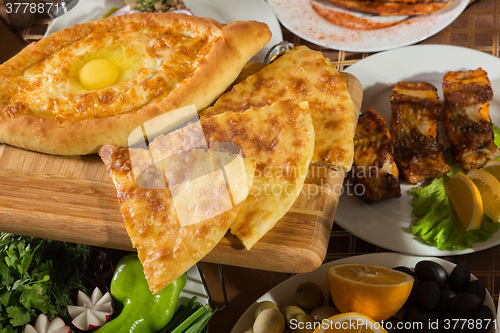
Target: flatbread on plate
pixel 391 8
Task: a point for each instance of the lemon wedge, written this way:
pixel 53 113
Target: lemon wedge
pixel 98 74
pixel 375 291
pixel 466 200
pixel 351 322
pixel 489 187
pixel 493 167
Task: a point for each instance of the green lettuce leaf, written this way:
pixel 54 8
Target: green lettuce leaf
pixel 437 224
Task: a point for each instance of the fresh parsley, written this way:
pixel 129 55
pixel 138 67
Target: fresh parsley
pixel 38 276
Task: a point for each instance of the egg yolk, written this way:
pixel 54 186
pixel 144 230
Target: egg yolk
pixel 98 73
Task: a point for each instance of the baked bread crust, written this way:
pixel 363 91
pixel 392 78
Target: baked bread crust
pixel 302 75
pixel 167 246
pixel 29 119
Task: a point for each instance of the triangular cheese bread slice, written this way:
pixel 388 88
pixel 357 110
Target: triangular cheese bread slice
pixel 276 143
pixel 93 83
pixel 280 139
pixel 178 209
pixel 302 75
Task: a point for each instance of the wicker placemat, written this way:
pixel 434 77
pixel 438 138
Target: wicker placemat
pixel 477 27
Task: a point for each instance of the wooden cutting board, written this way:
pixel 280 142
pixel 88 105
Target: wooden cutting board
pixel 73 199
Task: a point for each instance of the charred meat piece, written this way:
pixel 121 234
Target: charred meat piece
pixel 415 112
pixel 374 166
pixel 466 116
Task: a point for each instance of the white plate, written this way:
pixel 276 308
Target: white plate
pixel 284 293
pixel 299 17
pixel 386 224
pixel 224 11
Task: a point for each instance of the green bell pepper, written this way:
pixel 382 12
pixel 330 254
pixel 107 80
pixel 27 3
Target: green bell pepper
pixel 142 311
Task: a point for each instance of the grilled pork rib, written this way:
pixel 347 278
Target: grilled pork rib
pixel 415 111
pixel 466 116
pixel 374 166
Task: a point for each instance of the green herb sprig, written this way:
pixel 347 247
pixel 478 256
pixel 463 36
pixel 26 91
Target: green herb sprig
pixel 38 276
pixel 147 5
pixel 24 287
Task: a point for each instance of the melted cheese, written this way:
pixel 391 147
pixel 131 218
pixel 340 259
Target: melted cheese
pixel 302 75
pixel 149 65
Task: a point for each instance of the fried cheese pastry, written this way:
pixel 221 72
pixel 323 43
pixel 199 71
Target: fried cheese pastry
pixel 302 75
pixel 155 185
pixel 374 167
pixel 391 8
pixel 466 116
pixel 353 20
pixel 168 245
pixel 280 138
pixel 415 112
pixel 93 83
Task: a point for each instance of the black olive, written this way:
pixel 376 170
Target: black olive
pixel 428 295
pixel 414 315
pixel 484 318
pixel 459 277
pixel 427 270
pixel 476 288
pixel 430 326
pixel 445 295
pixel 406 270
pixel 413 299
pixel 464 304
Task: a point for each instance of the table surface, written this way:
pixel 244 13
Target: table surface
pixel 478 27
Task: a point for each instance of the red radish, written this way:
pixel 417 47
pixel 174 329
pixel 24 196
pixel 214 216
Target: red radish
pixel 44 325
pixel 91 312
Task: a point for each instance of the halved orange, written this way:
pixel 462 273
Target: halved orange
pixel 351 322
pixel 375 291
pixel 466 200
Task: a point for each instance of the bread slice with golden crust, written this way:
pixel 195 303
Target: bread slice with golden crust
pixel 168 244
pixel 181 176
pixel 280 138
pixel 302 74
pixel 164 61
